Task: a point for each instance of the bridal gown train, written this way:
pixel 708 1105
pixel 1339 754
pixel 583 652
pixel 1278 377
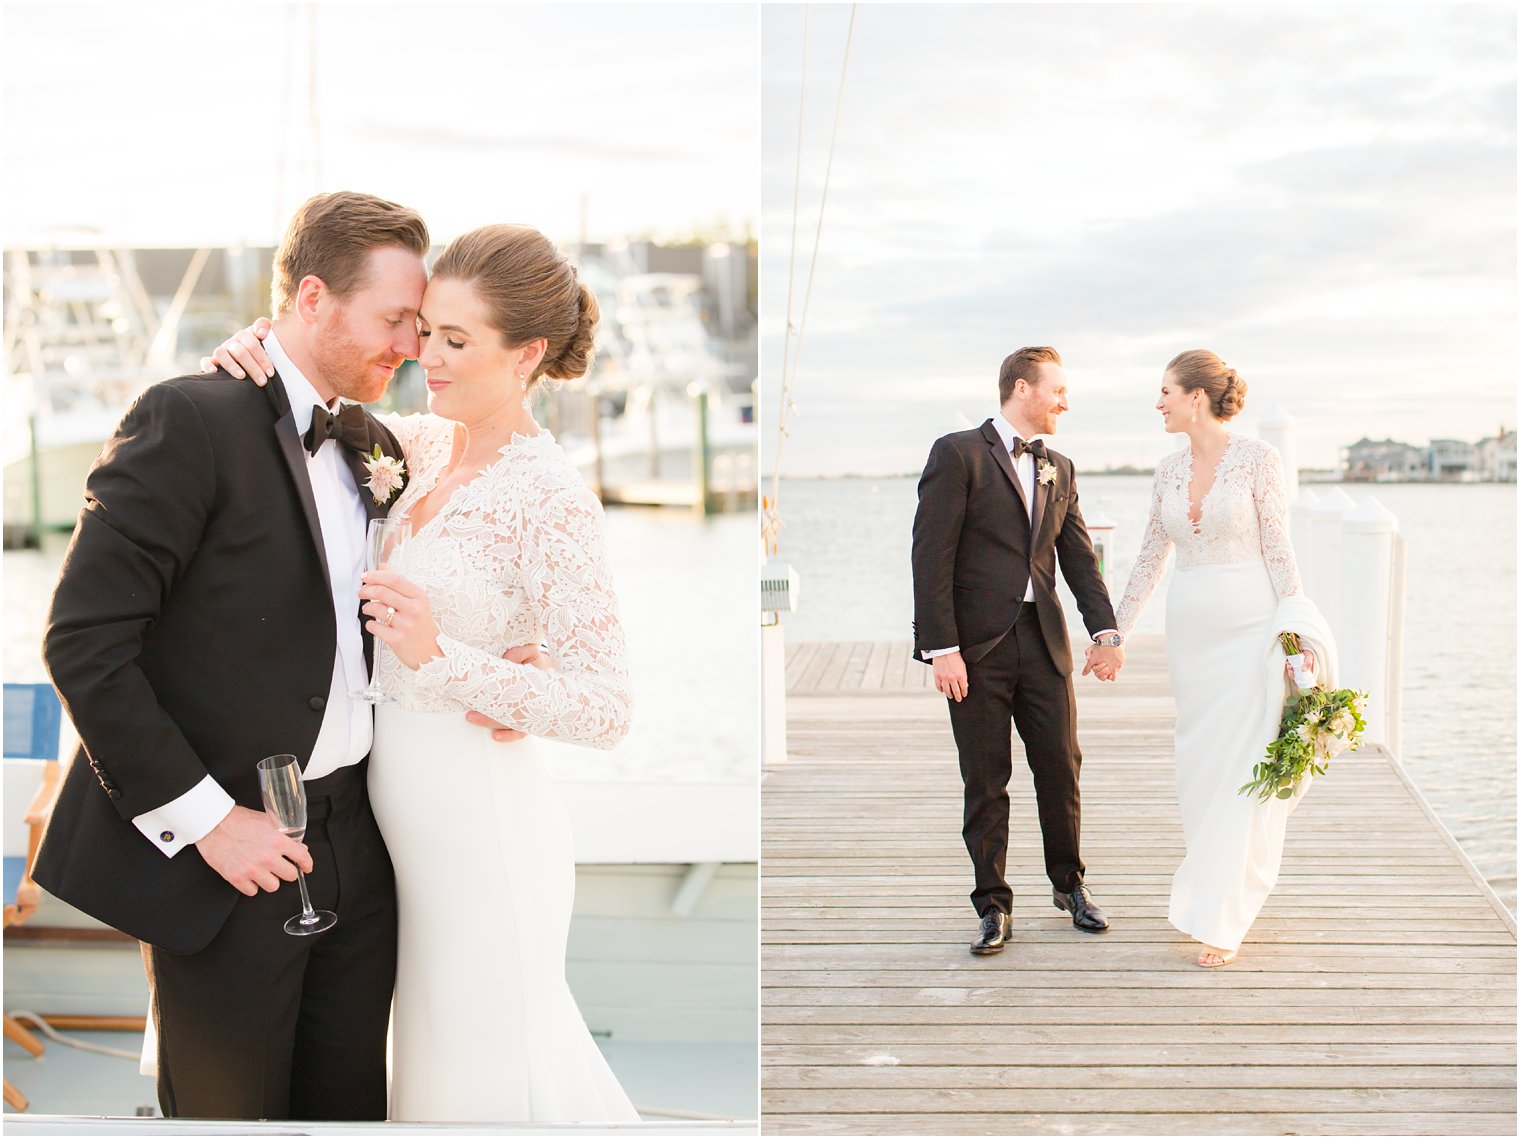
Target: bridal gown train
pixel 1236 586
pixel 485 1027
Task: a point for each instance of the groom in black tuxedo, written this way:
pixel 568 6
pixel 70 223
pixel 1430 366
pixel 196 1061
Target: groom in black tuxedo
pixel 206 616
pixel 997 512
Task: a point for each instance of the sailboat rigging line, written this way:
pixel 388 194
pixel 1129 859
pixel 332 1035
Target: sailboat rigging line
pixel 771 518
pixel 313 120
pixel 791 266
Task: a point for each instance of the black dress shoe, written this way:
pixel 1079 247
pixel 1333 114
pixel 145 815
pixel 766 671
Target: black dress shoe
pixel 994 932
pixel 1085 914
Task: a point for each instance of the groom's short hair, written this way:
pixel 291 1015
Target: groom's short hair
pixel 331 236
pixel 1023 365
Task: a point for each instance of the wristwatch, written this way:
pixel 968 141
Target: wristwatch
pixel 1112 641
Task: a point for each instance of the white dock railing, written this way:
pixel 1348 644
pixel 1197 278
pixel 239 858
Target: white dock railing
pixel 1352 558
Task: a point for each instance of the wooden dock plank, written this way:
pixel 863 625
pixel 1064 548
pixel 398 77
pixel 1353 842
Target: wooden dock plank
pixel 876 666
pixel 1149 1123
pixel 1376 994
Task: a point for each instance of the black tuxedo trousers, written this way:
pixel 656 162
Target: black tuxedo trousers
pixel 262 1024
pixel 1018 681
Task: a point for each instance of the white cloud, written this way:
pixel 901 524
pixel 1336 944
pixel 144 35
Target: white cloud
pixel 186 123
pixel 1326 196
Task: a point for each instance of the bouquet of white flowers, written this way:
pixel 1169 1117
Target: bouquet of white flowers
pixel 1317 725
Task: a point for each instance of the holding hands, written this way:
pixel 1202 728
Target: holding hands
pixel 1104 661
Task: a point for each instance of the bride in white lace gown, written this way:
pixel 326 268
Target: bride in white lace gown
pixel 506 550
pixel 1222 504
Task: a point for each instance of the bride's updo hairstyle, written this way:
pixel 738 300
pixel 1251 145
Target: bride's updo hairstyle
pixel 530 289
pixel 1201 369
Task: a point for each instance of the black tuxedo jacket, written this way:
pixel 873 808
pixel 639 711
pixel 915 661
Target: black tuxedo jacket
pixel 191 633
pixel 975 550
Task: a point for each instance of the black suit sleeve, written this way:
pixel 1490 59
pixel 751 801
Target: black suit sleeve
pixel 1079 566
pixel 146 504
pixel 942 494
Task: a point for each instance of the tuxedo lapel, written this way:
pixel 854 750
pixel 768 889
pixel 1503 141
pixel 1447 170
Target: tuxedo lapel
pixel 355 462
pixel 294 452
pixel 1005 461
pixel 1041 493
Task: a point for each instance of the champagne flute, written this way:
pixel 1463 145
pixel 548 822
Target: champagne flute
pixel 383 541
pixel 285 800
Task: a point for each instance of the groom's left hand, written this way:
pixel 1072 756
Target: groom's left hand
pixel 522 654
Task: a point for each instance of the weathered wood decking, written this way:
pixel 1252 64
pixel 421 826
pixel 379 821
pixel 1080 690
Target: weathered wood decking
pixel 1376 994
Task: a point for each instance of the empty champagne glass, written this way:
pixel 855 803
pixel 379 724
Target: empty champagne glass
pixel 383 543
pixel 285 800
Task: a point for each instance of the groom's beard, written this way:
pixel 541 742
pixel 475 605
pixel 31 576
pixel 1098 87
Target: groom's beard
pixel 1044 424
pixel 345 365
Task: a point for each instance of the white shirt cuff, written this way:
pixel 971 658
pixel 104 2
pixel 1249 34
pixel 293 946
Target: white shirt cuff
pixel 1104 633
pixel 930 654
pixel 187 819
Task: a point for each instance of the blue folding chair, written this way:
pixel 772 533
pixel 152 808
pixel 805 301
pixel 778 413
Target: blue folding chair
pixel 33 718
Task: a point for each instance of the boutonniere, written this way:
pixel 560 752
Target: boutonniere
pixel 386 476
pixel 1047 473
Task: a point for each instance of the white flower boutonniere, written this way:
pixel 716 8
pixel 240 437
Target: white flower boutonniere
pixel 1047 473
pixel 386 476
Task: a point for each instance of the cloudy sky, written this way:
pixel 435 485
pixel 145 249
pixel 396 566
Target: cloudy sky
pixel 1324 195
pixel 190 123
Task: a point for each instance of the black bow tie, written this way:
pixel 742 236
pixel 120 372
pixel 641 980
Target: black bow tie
pixel 347 427
pixel 1036 448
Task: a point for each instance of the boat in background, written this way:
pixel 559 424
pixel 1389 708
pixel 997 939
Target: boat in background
pixel 666 416
pixel 83 338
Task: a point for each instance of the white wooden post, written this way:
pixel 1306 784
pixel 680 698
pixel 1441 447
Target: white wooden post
pixel 1100 528
pixel 772 694
pixel 1277 429
pixel 1364 632
pixel 1325 585
pixel 1301 531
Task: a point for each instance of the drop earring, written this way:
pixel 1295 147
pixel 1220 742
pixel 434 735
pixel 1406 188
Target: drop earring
pixel 523 381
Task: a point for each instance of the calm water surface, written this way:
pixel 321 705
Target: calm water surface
pixel 849 539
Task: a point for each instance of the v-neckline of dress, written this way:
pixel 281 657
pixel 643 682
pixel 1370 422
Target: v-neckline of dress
pixel 437 476
pixel 1187 483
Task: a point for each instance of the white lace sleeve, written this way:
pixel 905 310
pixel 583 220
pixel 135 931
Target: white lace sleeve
pixel 584 697
pixel 1271 495
pixel 1150 564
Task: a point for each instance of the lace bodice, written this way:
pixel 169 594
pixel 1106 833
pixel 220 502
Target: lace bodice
pixel 516 556
pixel 1243 517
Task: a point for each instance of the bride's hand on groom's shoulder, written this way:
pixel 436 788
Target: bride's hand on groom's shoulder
pixel 242 354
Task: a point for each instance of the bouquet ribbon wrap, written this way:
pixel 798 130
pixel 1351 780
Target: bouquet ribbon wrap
pixel 1299 615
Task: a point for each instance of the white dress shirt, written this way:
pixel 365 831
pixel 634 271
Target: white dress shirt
pixel 1023 466
pixel 347 725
